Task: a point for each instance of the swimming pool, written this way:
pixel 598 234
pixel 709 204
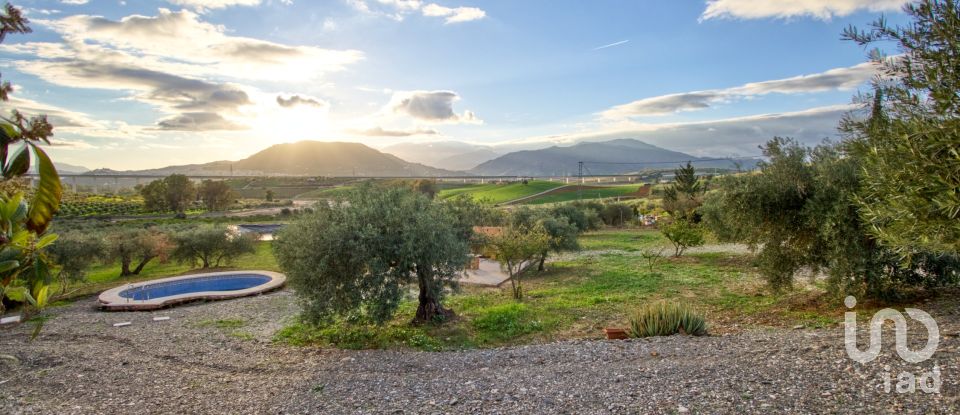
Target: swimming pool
pixel 164 292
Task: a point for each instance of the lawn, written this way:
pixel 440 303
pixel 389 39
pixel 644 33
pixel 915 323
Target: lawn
pixel 588 193
pixel 579 296
pixel 498 193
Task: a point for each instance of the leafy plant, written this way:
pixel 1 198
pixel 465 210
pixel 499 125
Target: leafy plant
pixel 665 319
pixel 682 234
pixel 516 248
pixel 210 246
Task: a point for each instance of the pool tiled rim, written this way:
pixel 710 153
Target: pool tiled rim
pixel 112 300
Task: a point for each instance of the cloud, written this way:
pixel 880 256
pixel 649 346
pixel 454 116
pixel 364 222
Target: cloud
pixel 454 15
pixel 202 5
pixel 380 132
pixel 833 79
pixel 93 67
pixel 74 2
pixel 783 9
pixel 297 100
pixel 740 136
pixel 59 117
pixel 198 121
pixel 431 106
pixel 399 9
pixel 181 41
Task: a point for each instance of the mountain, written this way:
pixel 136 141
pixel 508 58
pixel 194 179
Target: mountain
pixel 67 168
pixel 304 158
pixel 558 161
pixel 450 155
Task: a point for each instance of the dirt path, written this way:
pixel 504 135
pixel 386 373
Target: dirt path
pixel 217 358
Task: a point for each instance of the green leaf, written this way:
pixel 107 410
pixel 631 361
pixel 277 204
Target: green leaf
pixel 46 200
pixel 46 240
pixel 19 165
pixel 9 265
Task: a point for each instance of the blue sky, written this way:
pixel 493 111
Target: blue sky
pixel 141 84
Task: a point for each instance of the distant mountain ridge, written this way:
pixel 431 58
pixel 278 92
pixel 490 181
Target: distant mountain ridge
pixel 304 158
pixel 633 155
pixel 449 155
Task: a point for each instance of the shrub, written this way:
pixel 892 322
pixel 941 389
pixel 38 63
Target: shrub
pixel 682 234
pixel 210 246
pixel 665 319
pixel 616 214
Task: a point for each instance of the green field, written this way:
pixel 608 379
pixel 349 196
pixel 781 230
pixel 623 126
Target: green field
pixel 590 193
pixel 495 193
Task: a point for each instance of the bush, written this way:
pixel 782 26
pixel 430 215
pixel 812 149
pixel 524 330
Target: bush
pixel 209 246
pixel 682 234
pixel 616 214
pixel 665 319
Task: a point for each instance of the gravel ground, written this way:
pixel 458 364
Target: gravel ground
pixel 192 364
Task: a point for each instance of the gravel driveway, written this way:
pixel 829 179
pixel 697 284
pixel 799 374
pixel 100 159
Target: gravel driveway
pixel 218 358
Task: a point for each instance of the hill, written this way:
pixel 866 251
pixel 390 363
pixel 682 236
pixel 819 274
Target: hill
pixel 305 158
pixel 450 155
pixel 563 160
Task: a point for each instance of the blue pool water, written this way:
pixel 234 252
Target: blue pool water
pixel 192 285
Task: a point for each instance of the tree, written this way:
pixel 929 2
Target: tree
pixel 180 192
pixel 562 235
pixel 801 211
pixel 216 195
pixel 516 248
pixel 141 245
pixel 425 186
pixel 74 253
pixel 269 195
pixel 209 246
pixel 172 193
pixel 356 258
pixel 910 165
pixel 24 267
pixel 684 195
pixel 616 214
pixel 682 234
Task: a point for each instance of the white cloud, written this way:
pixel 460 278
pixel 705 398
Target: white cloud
pixel 381 132
pixel 399 9
pixel 431 106
pixel 782 9
pixel 454 15
pixel 74 2
pixel 202 5
pixel 833 79
pixel 181 41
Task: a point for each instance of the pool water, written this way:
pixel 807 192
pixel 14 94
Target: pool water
pixel 192 285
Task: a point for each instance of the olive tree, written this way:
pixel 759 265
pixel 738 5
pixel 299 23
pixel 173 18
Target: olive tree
pixel 216 194
pixel 211 246
pixel 140 245
pixel 910 166
pixel 74 253
pixel 356 258
pixel 562 235
pixel 516 249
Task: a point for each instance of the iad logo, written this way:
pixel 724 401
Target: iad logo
pixel 929 382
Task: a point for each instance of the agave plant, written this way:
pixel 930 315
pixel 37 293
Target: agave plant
pixel 666 318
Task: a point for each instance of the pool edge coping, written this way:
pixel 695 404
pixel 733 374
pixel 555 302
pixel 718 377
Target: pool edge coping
pixel 112 301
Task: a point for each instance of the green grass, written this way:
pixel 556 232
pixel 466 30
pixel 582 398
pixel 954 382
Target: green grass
pixel 577 298
pixel 596 193
pixel 499 193
pixel 332 192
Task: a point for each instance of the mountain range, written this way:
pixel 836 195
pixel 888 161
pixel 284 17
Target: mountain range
pixel 449 155
pixel 618 156
pixel 304 158
pixel 316 158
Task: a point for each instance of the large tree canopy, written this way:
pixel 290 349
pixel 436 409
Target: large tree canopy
pixel 909 145
pixel 357 258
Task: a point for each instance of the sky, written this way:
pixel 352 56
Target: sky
pixel 141 84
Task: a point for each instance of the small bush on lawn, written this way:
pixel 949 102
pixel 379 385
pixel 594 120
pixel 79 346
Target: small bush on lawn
pixel 350 336
pixel 666 318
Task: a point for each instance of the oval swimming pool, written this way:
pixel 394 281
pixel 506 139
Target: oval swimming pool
pixel 155 294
